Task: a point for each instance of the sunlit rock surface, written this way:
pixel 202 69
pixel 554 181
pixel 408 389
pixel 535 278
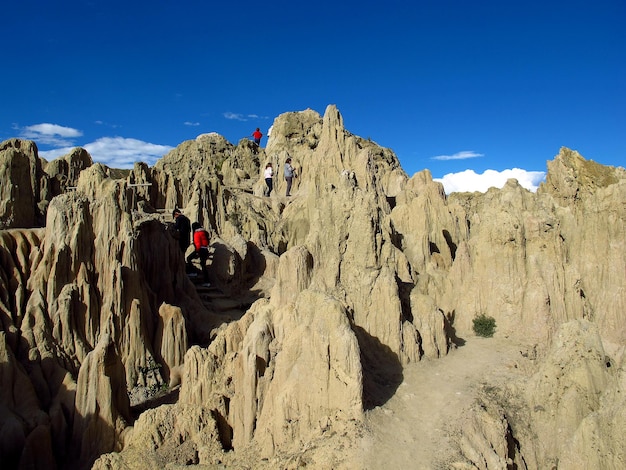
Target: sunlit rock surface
pixel 111 357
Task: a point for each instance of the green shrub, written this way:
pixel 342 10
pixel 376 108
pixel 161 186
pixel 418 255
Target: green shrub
pixel 484 325
pixel 236 219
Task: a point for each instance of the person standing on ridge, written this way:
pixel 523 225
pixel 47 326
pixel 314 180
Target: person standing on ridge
pixel 268 174
pixel 290 172
pixel 256 135
pixel 201 244
pixel 182 228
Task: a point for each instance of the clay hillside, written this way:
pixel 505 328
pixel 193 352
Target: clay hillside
pixel 326 310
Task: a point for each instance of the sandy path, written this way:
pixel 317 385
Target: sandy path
pixel 411 430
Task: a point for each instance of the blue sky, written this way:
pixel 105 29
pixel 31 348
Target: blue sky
pixel 474 91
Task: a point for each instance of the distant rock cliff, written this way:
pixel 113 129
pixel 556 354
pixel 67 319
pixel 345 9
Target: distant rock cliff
pixel 360 272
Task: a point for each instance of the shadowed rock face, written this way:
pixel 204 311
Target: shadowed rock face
pixel 29 183
pixel 20 169
pixel 360 272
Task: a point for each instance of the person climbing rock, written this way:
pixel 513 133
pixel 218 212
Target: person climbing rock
pixel 290 173
pixel 256 135
pixel 268 175
pixel 182 229
pixel 201 245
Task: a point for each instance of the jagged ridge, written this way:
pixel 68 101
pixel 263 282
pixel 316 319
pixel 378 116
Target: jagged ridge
pixel 362 271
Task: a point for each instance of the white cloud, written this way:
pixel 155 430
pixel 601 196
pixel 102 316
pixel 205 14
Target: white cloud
pixel 243 117
pixel 116 152
pixel 50 134
pixel 470 181
pixel 119 152
pixel 50 155
pixel 53 129
pixel 189 123
pixel 235 116
pixel 106 124
pixel 465 154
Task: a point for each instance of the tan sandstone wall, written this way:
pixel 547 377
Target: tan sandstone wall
pixel 360 272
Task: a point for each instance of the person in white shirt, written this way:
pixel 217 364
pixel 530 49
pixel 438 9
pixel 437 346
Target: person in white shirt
pixel 268 174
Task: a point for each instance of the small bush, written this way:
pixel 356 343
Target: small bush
pixel 236 219
pixel 484 325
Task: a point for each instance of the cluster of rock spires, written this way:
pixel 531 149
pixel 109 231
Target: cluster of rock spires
pixel 362 271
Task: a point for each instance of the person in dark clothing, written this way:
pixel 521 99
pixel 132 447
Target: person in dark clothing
pixel 201 244
pixel 182 226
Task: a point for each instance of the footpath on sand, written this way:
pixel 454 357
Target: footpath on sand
pixel 414 428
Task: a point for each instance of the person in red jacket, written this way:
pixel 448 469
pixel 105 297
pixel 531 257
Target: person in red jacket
pixel 256 135
pixel 201 244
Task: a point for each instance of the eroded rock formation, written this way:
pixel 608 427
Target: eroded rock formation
pixel 362 271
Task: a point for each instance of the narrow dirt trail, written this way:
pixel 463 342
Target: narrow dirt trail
pixel 412 430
